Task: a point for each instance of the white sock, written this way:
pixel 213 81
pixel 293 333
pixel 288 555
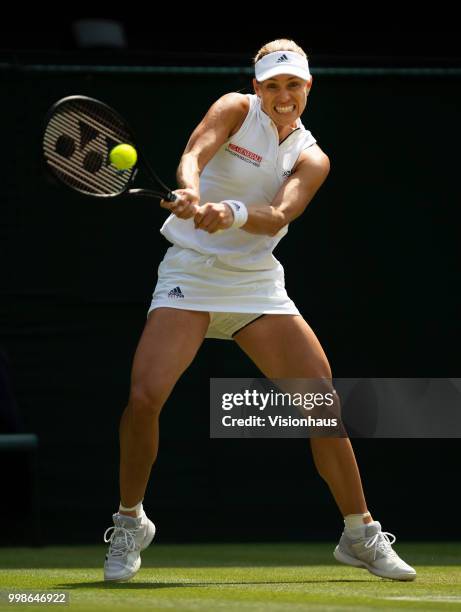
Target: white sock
pixel 355 521
pixel 138 508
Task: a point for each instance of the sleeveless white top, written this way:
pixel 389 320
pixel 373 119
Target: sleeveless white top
pixel 249 167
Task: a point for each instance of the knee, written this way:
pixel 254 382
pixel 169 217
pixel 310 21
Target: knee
pixel 322 370
pixel 146 402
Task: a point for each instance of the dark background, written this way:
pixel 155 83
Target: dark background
pixel 373 266
pixel 356 40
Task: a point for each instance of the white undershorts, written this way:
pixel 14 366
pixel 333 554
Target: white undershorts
pixel 233 296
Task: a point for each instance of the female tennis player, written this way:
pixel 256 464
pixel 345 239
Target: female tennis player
pixel 249 169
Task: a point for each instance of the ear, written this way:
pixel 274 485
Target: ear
pixel 309 83
pixel 256 87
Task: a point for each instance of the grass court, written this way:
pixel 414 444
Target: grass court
pixel 233 577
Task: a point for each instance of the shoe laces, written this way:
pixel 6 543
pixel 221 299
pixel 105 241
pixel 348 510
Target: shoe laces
pixel 121 540
pixel 382 542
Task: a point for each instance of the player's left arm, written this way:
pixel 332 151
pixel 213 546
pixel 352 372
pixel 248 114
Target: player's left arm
pixel 293 196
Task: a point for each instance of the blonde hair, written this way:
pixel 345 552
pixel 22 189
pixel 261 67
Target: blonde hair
pixel 281 44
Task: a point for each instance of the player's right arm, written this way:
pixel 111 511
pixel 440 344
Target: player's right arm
pixel 223 119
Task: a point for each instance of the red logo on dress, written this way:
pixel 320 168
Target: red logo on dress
pixel 245 153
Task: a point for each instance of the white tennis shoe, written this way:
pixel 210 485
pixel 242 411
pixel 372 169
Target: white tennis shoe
pixel 128 538
pixel 371 549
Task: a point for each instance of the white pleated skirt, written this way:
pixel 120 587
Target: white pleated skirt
pixel 192 281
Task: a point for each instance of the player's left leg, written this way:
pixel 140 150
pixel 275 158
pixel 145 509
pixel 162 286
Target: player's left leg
pixel 284 346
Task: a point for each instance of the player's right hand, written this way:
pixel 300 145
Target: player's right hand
pixel 185 206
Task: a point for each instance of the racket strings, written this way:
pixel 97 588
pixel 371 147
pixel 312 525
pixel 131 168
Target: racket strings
pixel 79 167
pixel 77 143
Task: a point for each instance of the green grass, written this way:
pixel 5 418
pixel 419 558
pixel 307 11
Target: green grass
pixel 234 577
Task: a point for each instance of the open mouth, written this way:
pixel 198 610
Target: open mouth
pixel 284 110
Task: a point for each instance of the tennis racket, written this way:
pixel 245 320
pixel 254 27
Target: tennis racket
pixel 80 133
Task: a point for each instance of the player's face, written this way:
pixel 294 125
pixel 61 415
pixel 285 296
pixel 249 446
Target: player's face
pixel 283 97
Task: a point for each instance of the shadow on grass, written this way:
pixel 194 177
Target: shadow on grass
pixel 179 585
pixel 219 556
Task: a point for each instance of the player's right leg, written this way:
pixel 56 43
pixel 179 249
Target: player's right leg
pixel 169 343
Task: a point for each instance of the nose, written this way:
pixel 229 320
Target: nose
pixel 284 95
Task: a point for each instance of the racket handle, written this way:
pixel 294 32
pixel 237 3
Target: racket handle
pixel 169 196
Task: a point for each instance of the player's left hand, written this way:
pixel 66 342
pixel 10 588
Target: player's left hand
pixel 213 217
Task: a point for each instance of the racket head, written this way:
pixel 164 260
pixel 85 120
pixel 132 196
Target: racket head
pixel 78 136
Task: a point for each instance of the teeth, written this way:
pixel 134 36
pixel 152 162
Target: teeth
pixel 284 109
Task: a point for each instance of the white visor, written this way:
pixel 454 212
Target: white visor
pixel 282 62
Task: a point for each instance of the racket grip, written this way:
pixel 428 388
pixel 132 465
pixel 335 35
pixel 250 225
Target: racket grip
pixel 171 197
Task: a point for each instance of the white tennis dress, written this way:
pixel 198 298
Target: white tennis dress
pixel 233 274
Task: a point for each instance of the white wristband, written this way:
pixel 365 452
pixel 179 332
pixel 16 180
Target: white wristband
pixel 240 212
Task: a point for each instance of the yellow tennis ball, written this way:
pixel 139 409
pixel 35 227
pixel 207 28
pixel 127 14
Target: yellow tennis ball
pixel 123 156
